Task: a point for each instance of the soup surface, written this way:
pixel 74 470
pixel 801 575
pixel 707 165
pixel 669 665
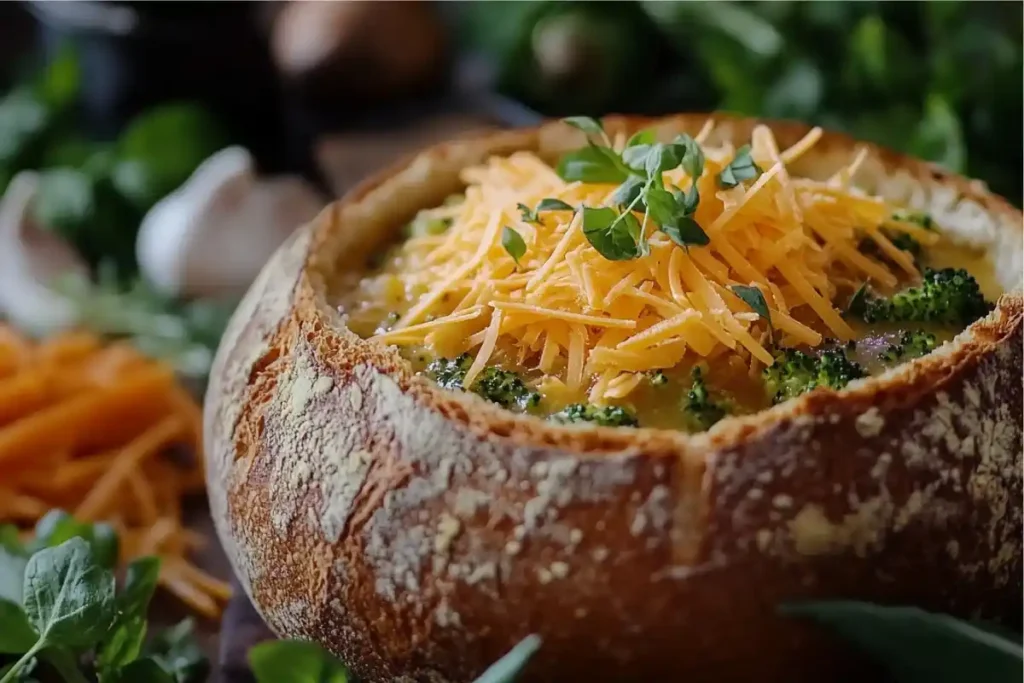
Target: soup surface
pixel 663 284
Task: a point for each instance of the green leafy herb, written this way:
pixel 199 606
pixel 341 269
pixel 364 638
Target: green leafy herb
pixel 592 164
pixel 617 237
pixel 176 651
pixel 142 671
pixel 605 416
pixel 691 155
pixel 508 668
pixel 57 526
pixel 513 243
pixel 69 598
pixel 858 302
pixel 641 137
pixel 591 127
pixel 657 378
pixel 754 297
pixel 628 193
pixel 552 204
pixel 742 167
pixel 16 633
pixel 295 661
pixel 916 645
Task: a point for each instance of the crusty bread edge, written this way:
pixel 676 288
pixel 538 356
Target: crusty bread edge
pixel 419 533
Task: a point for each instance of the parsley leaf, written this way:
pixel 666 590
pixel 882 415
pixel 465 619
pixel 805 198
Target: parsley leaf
pixel 513 243
pixel 753 297
pixel 615 236
pixel 592 165
pixel 742 167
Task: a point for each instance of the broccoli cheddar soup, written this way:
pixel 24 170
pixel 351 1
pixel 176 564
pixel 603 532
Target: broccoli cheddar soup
pixel 664 284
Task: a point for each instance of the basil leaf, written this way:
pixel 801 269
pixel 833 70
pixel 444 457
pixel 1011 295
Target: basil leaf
pixel 513 243
pixel 528 215
pixel 919 646
pixel 627 193
pixel 550 204
pixel 508 668
pixel 691 154
pixel 615 236
pixel 742 167
pixel 143 671
pixel 754 297
pixel 69 598
pixel 686 232
pixel 592 165
pixel 16 633
pixel 295 661
pixel 641 137
pixel 586 124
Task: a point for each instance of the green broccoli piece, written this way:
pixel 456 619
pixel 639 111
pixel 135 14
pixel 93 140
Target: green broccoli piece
pixel 922 219
pixel 449 372
pixel 506 389
pixel 699 409
pixel 605 416
pixel 911 344
pixel 795 372
pixel 494 384
pixel 949 295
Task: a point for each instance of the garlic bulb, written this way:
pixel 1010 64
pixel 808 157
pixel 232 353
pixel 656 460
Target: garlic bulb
pixel 31 259
pixel 211 236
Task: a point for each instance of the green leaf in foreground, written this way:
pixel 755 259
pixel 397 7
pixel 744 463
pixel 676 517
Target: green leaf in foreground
pixel 57 526
pixel 513 243
pixel 919 646
pixel 754 297
pixel 143 671
pixel 615 236
pixel 742 167
pixel 69 598
pixel 295 661
pixel 552 204
pixel 586 124
pixel 508 668
pixel 16 633
pixel 177 653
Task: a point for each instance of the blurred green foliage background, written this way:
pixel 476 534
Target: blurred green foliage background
pixel 940 80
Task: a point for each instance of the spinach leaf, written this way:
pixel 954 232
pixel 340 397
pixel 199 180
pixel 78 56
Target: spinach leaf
pixel 69 598
pixel 295 661
pixel 16 633
pixel 919 646
pixel 57 526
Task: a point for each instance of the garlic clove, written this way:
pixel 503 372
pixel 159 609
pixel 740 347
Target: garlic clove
pixel 31 260
pixel 210 237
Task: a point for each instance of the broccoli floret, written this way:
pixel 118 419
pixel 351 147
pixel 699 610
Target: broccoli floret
pixel 606 416
pixel 500 386
pixel 949 295
pixel 699 409
pixel 449 372
pixel 506 389
pixel 911 344
pixel 795 372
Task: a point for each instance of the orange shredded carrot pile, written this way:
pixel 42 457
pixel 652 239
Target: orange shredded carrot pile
pixel 87 427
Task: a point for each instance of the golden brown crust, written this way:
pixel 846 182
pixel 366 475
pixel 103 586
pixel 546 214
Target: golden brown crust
pixel 420 534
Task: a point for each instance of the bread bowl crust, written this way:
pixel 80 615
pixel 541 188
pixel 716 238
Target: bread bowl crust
pixel 419 534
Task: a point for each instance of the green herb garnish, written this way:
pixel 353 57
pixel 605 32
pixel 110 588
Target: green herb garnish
pixel 513 243
pixel 742 167
pixel 616 236
pixel 547 204
pixel 754 297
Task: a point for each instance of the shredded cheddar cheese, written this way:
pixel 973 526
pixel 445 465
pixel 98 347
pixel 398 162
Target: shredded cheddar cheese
pixel 591 326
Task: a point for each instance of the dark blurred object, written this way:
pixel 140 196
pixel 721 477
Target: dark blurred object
pixel 360 52
pixel 138 54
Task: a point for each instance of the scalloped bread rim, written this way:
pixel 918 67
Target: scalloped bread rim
pixel 325 446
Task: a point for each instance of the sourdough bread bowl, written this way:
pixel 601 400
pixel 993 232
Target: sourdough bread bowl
pixel 421 533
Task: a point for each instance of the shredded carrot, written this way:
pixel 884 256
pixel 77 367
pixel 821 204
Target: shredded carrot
pixel 85 426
